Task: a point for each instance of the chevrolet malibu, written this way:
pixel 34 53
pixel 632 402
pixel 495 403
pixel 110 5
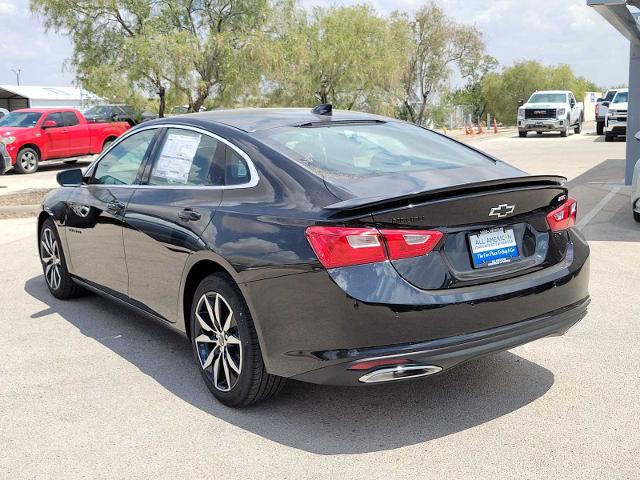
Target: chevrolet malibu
pixel 330 247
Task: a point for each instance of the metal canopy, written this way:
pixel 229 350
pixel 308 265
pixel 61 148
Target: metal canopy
pixel 623 16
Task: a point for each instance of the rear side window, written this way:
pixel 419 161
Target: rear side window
pixel 189 158
pixel 236 169
pixel 367 148
pixel 70 119
pixel 121 165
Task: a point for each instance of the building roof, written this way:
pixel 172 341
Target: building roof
pixel 44 93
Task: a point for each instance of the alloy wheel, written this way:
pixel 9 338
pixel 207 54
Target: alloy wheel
pixel 28 161
pixel 50 255
pixel 217 341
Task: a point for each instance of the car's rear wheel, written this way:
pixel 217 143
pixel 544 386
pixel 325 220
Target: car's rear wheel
pixel 226 347
pixel 27 160
pixel 54 265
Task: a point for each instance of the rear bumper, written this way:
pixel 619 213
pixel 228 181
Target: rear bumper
pixel 448 352
pixel 5 160
pixel 332 318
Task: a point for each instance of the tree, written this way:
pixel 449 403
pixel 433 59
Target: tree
pixel 347 56
pixel 504 90
pixel 474 71
pixel 193 48
pixel 438 44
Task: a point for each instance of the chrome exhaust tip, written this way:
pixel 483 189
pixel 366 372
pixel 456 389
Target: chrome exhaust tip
pixel 399 372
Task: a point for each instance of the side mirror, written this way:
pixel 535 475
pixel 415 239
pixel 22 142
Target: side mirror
pixel 50 124
pixel 520 102
pixel 70 178
pixel 599 100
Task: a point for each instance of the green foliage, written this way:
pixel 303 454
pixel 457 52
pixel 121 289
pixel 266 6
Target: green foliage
pixel 221 53
pixel 347 56
pixel 437 44
pixel 504 90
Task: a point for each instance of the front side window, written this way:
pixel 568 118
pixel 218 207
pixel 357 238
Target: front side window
pixel 55 117
pixel 121 164
pixel 360 149
pixel 189 158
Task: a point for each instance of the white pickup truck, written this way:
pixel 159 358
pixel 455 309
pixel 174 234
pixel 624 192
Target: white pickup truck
pixel 551 111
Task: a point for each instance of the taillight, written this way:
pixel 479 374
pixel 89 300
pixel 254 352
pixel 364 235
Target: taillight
pixel 344 246
pixel 410 243
pixel 564 216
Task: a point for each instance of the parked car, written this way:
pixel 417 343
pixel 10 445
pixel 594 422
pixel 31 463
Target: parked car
pixel 330 247
pixel 113 113
pixel 182 110
pixel 34 135
pixel 602 106
pixel 551 111
pixel 616 120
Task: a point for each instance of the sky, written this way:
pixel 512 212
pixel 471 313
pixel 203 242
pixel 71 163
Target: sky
pixel 550 31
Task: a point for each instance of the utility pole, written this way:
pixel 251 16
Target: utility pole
pixel 17 74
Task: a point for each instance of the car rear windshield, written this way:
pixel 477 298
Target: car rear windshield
pixel 621 97
pixel 20 119
pixel 367 148
pixel 548 98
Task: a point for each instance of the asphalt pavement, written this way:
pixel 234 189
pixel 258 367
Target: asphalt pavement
pixel 89 389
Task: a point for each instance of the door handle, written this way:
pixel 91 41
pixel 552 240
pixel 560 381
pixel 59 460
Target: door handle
pixel 189 214
pixel 115 207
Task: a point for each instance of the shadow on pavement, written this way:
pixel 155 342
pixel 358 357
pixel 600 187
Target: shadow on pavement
pixel 318 419
pixel 606 202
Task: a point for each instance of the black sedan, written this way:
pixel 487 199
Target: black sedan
pixel 329 247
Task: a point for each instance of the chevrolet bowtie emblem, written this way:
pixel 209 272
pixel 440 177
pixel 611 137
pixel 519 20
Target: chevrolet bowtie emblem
pixel 502 210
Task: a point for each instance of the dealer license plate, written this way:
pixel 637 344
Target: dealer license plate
pixel 493 247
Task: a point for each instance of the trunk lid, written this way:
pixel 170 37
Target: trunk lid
pixel 475 216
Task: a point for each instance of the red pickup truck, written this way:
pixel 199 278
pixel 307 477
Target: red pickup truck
pixel 33 135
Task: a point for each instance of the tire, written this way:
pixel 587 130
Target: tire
pixel 70 162
pixel 539 133
pixel 240 351
pixel 578 128
pixel 565 132
pixel 636 216
pixel 600 128
pixel 106 144
pixel 608 138
pixel 27 161
pixel 54 265
pixel 522 133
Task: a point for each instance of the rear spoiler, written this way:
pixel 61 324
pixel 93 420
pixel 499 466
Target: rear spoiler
pixel 466 188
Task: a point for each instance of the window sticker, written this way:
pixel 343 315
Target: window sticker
pixel 177 157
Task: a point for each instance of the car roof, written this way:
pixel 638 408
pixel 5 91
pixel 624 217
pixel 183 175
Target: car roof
pixel 255 119
pixel 46 110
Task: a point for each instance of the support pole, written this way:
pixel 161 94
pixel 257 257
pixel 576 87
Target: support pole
pixel 633 115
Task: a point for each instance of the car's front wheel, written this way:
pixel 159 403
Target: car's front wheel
pixel 226 347
pixel 600 128
pixel 27 160
pixel 54 265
